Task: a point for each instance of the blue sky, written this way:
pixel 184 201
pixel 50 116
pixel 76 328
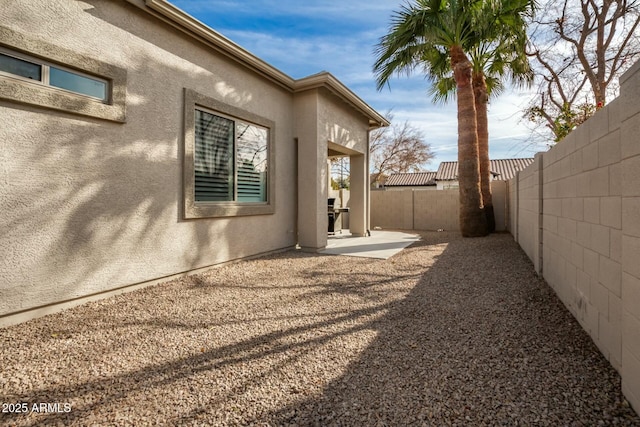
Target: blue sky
pixel 301 38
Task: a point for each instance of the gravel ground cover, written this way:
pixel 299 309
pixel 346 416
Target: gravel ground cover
pixel 450 331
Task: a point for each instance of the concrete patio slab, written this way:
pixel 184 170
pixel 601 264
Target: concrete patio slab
pixel 380 245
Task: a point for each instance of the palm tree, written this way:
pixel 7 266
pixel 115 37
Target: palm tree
pixel 486 85
pixel 431 29
pixel 496 48
pixel 500 53
pixel 492 63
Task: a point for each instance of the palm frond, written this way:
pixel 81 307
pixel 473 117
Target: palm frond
pixel 443 90
pixel 492 32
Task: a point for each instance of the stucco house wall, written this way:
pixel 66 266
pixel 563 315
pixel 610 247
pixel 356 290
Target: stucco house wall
pixel 94 204
pixel 311 172
pixel 349 131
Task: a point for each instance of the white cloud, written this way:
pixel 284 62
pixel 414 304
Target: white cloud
pixel 353 10
pixel 303 38
pixel 300 57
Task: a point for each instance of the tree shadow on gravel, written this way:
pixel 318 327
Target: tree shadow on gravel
pixel 117 388
pixel 480 340
pixel 263 355
pixel 463 333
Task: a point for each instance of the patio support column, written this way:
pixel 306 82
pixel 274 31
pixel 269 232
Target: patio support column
pixel 358 201
pixel 312 195
pixel 312 176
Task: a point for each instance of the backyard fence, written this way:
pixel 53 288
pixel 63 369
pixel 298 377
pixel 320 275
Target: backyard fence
pixel 576 213
pixel 416 209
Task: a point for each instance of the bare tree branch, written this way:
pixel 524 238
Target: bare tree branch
pixel 398 148
pixel 576 42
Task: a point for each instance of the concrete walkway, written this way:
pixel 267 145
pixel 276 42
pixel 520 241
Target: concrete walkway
pixel 380 245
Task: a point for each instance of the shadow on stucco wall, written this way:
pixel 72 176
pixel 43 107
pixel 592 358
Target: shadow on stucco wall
pixel 93 205
pixel 90 207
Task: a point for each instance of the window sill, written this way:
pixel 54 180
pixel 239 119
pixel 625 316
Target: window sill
pixel 215 210
pixel 50 98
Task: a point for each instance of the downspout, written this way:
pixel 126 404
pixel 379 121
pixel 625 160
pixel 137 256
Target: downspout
pixel 297 185
pixel 368 186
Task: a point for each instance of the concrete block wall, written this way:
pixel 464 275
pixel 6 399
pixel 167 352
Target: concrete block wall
pixel 436 210
pixel 411 209
pixel 528 224
pixel 512 203
pixel 627 175
pixel 580 225
pixel 499 192
pixel 417 209
pixel 392 209
pixel 582 229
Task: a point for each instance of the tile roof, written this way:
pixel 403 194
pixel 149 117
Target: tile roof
pixel 447 171
pixel 507 168
pixel 502 169
pixel 411 179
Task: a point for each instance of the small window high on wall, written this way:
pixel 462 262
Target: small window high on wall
pixel 47 76
pixel 16 65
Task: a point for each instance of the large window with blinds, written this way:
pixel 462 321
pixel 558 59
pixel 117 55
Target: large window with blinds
pixel 228 161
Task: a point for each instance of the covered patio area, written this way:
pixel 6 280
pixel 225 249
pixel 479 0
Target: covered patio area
pixel 330 125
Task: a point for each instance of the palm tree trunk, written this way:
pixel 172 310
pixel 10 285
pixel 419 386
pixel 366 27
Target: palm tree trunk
pixel 473 221
pixel 481 99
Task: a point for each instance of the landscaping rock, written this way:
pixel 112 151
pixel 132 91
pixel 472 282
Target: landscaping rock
pixel 450 331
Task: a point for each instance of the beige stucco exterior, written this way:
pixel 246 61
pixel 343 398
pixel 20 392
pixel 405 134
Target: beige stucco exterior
pixel 94 204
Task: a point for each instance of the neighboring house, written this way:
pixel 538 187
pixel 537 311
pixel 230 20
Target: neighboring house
pixel 377 180
pixel 417 180
pixel 139 144
pixel 501 170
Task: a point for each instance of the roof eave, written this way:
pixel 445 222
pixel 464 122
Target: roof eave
pixel 184 21
pixel 190 25
pixel 329 81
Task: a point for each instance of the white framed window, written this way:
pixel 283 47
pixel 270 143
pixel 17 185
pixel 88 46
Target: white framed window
pixel 47 76
pixel 229 163
pixel 24 67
